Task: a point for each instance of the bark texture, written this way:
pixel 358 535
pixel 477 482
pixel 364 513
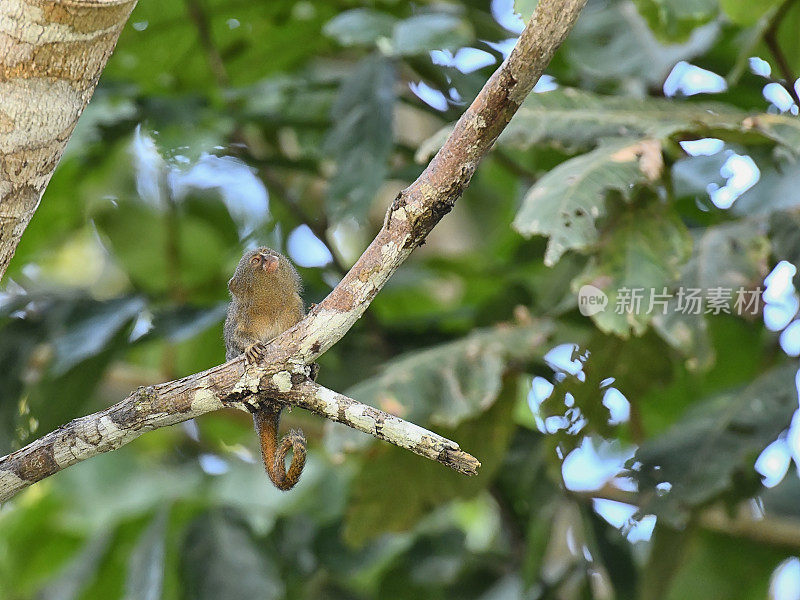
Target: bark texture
pixel 51 56
pixel 283 372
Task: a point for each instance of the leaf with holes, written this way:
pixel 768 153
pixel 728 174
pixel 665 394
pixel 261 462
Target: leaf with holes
pixel 565 204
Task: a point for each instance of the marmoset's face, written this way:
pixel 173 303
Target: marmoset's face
pixel 265 260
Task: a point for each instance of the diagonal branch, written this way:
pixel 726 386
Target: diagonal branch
pixel 337 407
pixel 284 370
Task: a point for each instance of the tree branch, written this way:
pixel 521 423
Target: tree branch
pixel 392 429
pixel 283 372
pixel 165 404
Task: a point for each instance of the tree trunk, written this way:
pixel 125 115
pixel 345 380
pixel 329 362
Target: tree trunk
pixel 51 56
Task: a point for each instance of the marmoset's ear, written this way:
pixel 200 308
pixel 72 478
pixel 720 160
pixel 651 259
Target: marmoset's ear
pixel 231 284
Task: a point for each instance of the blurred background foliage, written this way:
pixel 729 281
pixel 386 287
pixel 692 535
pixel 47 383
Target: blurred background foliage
pixel 623 456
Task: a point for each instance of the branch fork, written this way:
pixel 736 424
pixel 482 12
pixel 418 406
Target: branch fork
pixel 283 373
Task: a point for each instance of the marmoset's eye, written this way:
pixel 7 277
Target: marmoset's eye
pixel 255 260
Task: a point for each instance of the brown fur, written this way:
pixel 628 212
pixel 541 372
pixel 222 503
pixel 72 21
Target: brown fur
pixel 266 302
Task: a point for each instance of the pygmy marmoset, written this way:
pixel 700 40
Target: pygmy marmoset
pixel 266 302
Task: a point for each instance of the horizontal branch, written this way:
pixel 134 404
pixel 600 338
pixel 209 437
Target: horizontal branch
pixel 412 215
pixel 169 403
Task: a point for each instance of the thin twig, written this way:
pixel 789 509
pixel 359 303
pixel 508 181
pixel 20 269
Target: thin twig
pixel 215 63
pixel 771 40
pixel 318 226
pixel 341 409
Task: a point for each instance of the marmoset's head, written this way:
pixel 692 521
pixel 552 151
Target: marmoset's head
pixel 264 268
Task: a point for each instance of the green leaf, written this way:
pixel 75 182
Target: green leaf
pixel 359 27
pixel 668 547
pixel 361 139
pixel 578 119
pixel 525 8
pixel 18 340
pixel 452 382
pixel 613 552
pixel 788 40
pixel 783 237
pixel 220 559
pixel 296 100
pixel 79 573
pixel 635 365
pixel 784 130
pixel 645 248
pixel 22 574
pixel 253 40
pixel 56 350
pixel 674 20
pixel 730 256
pixel 747 13
pixel 145 578
pixel 612 42
pixel 692 176
pixel 733 349
pixel 183 322
pixel 172 260
pixel 711 451
pixel 716 566
pixel 89 328
pixel 774 193
pixel 781 500
pixel 433 31
pixel 372 511
pixel 566 203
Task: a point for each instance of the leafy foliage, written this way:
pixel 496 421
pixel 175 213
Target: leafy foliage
pixel 362 137
pixel 462 379
pixel 676 20
pixel 567 213
pixel 237 568
pixel 489 436
pixel 644 248
pixel 575 118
